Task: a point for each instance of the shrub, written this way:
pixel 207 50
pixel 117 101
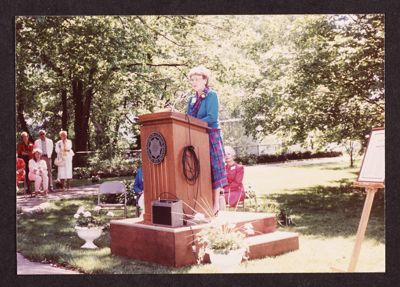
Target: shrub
pixel 269 158
pixel 117 166
pixel 96 217
pixel 248 159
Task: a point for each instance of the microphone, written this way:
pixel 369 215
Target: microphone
pixel 180 98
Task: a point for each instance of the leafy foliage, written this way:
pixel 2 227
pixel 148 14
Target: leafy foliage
pixel 222 238
pixel 268 158
pixel 97 217
pixel 78 69
pixel 326 83
pixel 309 79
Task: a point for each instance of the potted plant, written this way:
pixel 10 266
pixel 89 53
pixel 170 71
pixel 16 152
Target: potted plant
pixel 224 243
pixel 90 223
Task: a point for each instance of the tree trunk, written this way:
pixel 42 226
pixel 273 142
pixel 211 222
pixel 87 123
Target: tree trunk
pixel 350 151
pixel 117 126
pixel 82 106
pixel 351 160
pixel 64 117
pixel 20 117
pixel 115 140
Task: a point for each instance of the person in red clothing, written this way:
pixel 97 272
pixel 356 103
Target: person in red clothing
pixel 24 151
pixel 234 191
pixel 20 175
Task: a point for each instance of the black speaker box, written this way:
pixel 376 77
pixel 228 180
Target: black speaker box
pixel 167 212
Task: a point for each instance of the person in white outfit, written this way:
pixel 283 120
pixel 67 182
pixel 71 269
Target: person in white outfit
pixel 46 145
pixel 38 172
pixel 64 151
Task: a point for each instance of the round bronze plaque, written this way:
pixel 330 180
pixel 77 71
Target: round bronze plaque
pixel 156 147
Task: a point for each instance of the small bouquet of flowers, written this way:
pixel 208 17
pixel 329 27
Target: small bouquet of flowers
pixel 223 237
pixel 38 171
pixel 96 217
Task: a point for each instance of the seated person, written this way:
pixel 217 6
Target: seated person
pixel 20 175
pixel 38 172
pixel 24 150
pixel 234 191
pixel 138 188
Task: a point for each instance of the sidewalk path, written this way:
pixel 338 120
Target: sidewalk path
pixel 27 203
pixel 24 267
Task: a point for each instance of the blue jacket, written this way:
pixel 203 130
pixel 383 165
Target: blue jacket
pixel 208 111
pixel 138 185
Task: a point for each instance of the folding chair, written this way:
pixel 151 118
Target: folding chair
pixel 240 202
pixel 112 187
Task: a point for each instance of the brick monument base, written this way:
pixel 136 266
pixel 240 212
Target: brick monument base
pixel 173 246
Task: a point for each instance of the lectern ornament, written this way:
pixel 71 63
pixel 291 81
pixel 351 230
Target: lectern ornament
pixel 156 147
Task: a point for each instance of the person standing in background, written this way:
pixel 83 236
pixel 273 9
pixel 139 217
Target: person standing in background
pixel 46 145
pixel 25 151
pixel 138 191
pixel 64 151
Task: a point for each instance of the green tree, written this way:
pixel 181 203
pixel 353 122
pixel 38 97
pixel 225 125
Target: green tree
pixel 329 82
pixel 88 73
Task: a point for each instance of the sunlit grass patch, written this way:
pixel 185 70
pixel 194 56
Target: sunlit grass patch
pixel 321 255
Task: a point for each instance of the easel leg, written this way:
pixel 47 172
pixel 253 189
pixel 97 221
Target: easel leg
pixel 362 227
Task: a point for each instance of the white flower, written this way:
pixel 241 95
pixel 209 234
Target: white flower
pixel 110 213
pixel 248 226
pixel 199 217
pixel 76 215
pixel 44 205
pixel 231 225
pixel 97 208
pixel 219 221
pixel 249 229
pixel 87 214
pixel 80 210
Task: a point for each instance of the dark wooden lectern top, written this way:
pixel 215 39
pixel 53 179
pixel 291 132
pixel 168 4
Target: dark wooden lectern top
pixel 168 116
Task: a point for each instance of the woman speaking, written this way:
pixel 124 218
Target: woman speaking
pixel 204 105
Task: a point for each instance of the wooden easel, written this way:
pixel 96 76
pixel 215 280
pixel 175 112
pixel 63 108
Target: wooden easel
pixel 371 189
pixel 371 181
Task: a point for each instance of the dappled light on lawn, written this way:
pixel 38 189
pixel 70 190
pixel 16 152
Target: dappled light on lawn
pixel 319 198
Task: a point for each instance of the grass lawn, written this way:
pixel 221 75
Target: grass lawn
pixel 85 181
pixel 324 206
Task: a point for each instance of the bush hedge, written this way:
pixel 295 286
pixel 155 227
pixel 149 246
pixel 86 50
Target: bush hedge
pixel 268 158
pixel 115 167
pixel 119 166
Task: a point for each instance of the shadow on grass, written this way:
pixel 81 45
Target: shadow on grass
pixel 329 211
pixel 319 211
pixel 336 168
pixel 50 237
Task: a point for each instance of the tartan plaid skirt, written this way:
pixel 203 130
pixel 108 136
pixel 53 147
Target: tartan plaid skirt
pixel 218 172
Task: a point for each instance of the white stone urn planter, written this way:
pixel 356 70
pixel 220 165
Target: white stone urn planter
pixel 226 263
pixel 89 235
